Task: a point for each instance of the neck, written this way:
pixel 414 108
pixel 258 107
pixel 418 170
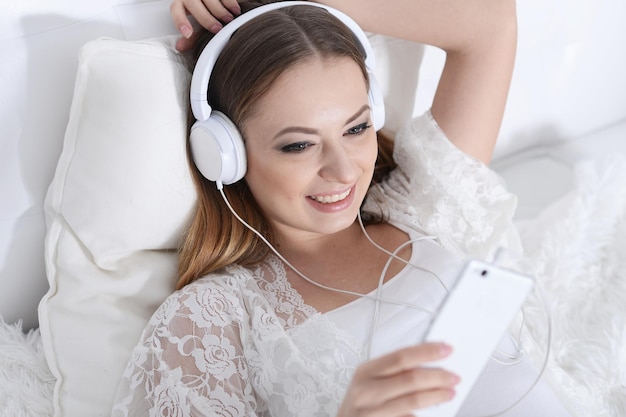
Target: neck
pixel 307 247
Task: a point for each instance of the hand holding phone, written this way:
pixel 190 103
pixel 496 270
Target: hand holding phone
pixel 472 319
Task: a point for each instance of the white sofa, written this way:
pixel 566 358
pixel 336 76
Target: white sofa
pixel 567 103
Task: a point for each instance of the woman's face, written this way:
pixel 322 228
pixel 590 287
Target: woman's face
pixel 311 148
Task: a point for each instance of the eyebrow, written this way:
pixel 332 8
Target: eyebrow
pixel 311 131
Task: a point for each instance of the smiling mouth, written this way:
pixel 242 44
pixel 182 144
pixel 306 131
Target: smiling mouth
pixel 329 199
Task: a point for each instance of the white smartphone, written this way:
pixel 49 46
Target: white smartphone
pixel 473 319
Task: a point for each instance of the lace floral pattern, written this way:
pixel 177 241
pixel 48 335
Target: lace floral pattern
pixel 239 344
pixel 243 342
pixel 442 191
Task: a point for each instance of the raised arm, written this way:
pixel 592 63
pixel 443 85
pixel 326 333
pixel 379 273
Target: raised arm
pixel 478 36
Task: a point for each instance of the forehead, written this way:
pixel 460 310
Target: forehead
pixel 313 91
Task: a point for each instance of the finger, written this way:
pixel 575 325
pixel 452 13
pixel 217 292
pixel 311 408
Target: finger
pixel 179 9
pixel 217 11
pixel 402 384
pixel 405 359
pixel 185 44
pixel 412 381
pixel 233 6
pixel 179 17
pixel 416 401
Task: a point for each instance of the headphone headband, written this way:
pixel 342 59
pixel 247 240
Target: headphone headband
pixel 216 145
pixel 204 66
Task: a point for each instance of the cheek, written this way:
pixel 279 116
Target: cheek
pixel 374 149
pixel 371 153
pixel 268 180
pixel 257 177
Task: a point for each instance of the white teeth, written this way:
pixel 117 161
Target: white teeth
pixel 331 198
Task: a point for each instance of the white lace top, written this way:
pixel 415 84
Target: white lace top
pixel 243 343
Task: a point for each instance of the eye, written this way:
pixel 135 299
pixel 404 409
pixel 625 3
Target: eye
pixel 357 130
pixel 295 147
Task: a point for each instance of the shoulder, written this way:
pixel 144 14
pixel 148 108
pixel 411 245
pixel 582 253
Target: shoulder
pixel 443 191
pixel 425 156
pixel 422 133
pixel 217 298
pixel 229 280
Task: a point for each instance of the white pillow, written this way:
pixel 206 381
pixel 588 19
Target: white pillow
pixel 120 200
pixel 115 210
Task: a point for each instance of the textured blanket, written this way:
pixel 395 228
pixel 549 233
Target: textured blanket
pixel 26 384
pixel 577 251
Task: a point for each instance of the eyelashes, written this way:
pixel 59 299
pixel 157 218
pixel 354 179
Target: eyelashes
pixel 298 147
pixel 357 130
pixel 295 147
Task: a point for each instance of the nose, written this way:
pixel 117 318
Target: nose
pixel 338 164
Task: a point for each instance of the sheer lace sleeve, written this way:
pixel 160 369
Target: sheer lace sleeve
pixel 439 189
pixel 237 344
pixel 190 360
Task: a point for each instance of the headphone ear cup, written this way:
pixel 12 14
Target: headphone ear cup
pixel 217 149
pixel 377 102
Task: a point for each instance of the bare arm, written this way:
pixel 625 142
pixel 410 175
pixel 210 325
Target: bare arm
pixel 479 38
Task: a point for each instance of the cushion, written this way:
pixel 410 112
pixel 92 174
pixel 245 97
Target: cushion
pixel 119 202
pixel 115 210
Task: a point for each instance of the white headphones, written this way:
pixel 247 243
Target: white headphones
pixel 216 144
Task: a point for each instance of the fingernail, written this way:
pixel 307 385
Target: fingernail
pixel 235 10
pixel 216 28
pixel 445 349
pixel 186 31
pixel 455 379
pixel 227 19
pixel 451 393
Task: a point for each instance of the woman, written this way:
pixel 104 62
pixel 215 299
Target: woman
pixel 254 333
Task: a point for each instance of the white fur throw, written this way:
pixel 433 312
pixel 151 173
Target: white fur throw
pixel 26 383
pixel 577 251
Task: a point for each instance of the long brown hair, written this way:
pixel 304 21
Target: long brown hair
pixel 257 54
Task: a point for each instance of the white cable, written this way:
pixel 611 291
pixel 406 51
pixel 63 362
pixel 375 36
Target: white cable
pixel 377 298
pixel 393 254
pixel 381 279
pixel 379 288
pixel 546 357
pixel 518 356
pixel 282 258
pixel 515 359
